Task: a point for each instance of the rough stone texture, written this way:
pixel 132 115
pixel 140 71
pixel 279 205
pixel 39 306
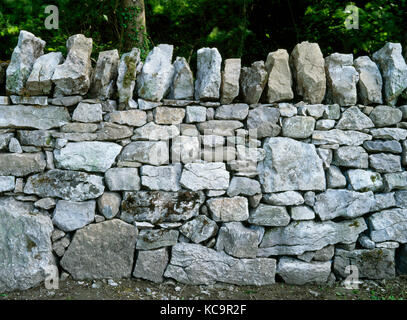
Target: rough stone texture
pixel 25 246
pixel 307 63
pixel 155 78
pixel 271 216
pixel 122 179
pixel 102 250
pixel 393 69
pixel 385 163
pixel 372 264
pixel 264 120
pixel 301 236
pixel 395 181
pixel 288 198
pixel 302 213
pixel 384 116
pixel 354 119
pixel 109 204
pixel 208 77
pixel 134 118
pixel 154 132
pixel 195 264
pixel 72 215
pixel 219 127
pixel 200 176
pixel 229 89
pixel 73 76
pixel 199 229
pixel 335 136
pixel 298 272
pixel 237 111
pixel 151 264
pixel 127 73
pixel 160 206
pixel 343 203
pixel 290 165
pixel 243 186
pixel 195 114
pixel 86 112
pixel 279 81
pixel 169 115
pixel 21 164
pixel 351 157
pixel 298 127
pixel 388 225
pixel 389 133
pixel 92 156
pixel 157 238
pixel 68 185
pixel 185 149
pixel 363 180
pixel 370 81
pixel 150 152
pixel 105 75
pixel 229 209
pixel 161 178
pixel 341 79
pixel 391 146
pixel 183 82
pixel 39 82
pixel 28 49
pixel 253 80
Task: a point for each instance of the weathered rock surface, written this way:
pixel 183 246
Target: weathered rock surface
pixel 370 81
pixel 229 209
pixel 21 164
pixel 102 250
pixel 122 179
pixel 384 116
pixel 335 136
pixel 388 225
pixel 109 204
pixel 73 215
pixel 157 238
pixel 385 163
pixel 126 80
pixel 298 127
pixel 243 186
pixel 208 77
pixel 183 82
pixel 288 198
pixel 298 272
pixel 271 216
pixel 150 152
pixel 105 74
pixel 351 157
pixel 253 80
pixel 279 81
pixel 161 178
pixel 154 132
pixel 229 89
pixel 363 180
pixel 354 119
pixel 199 229
pixel 200 176
pixel 88 112
pixel 151 264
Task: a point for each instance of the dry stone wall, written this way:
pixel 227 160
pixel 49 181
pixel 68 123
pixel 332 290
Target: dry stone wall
pixel 290 169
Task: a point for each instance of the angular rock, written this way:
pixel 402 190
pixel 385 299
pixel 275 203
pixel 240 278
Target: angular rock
pixel 229 89
pixel 342 78
pixel 112 131
pixel 389 133
pixel 298 127
pixel 35 117
pixel 370 81
pixel 288 198
pixel 86 112
pixel 371 264
pixel 384 116
pixel 39 82
pixel 363 180
pixel 298 272
pixel 160 206
pixel 302 213
pixel 388 225
pixel 155 79
pixel 237 240
pixel 151 264
pixel 68 185
pixel 38 138
pixel 271 216
pixel 7 183
pixel 154 132
pixel 393 69
pixel 351 157
pixel 343 203
pixel 354 119
pixel 200 176
pixel 157 238
pixel 401 199
pixel 301 236
pixel 73 76
pixel 237 111
pixel 185 149
pixel 335 136
pixel 290 165
pixel 102 250
pixel 243 186
pixel 195 114
pixel 127 72
pixel 134 118
pixel 229 209
pixel 29 48
pixel 391 146
pixel 109 204
pixel 90 156
pixel 183 82
pixel 21 164
pixel 307 64
pixel 169 115
pixel 164 178
pixel 150 152
pixel 196 264
pixel 73 215
pixel 219 127
pixel 199 229
pixel 122 179
pixel 395 181
pixel 25 246
pixel 208 77
pixel 253 80
pixel 105 74
pixel 264 120
pixel 385 163
pixel 279 80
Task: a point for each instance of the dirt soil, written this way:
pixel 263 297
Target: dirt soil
pixel 133 289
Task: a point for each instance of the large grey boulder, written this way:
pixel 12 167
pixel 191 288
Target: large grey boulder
pixel 343 203
pixel 263 121
pixel 161 206
pixel 229 209
pixel 384 116
pixel 39 82
pixel 389 225
pixel 372 264
pixel 88 112
pixel 354 119
pixel 73 76
pixel 307 64
pixel 105 74
pixel 237 240
pixel 290 165
pixel 208 77
pixel 35 117
pixel 201 176
pixel 301 236
pixel 68 185
pixel 351 157
pixel 370 81
pixel 73 215
pixel 151 264
pixel 149 152
pixel 229 89
pixel 298 272
pixel 253 80
pixel 182 87
pixel 393 69
pixel 29 48
pixel 25 246
pixel 102 250
pixel 21 164
pixel 199 229
pixel 279 80
pixel 195 264
pixel 155 79
pixel 164 178
pixel 129 67
pixel 92 156
pixel 342 78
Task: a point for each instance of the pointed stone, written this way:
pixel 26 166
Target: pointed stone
pixel 370 81
pixel 208 77
pixel 253 79
pixel 279 83
pixel 230 80
pixel 105 74
pixel 182 87
pixel 126 80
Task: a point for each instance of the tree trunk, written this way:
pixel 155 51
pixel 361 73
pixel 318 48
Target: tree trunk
pixel 136 30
